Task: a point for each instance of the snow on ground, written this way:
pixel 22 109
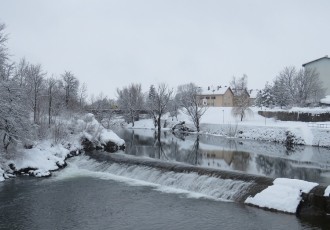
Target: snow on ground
pixel 142 124
pixel 220 121
pixel 49 155
pixel 43 157
pixel 283 195
pixel 109 135
pixel 326 100
pixel 327 191
pixel 2 175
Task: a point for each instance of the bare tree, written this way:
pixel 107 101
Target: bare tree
pixel 174 106
pixel 241 97
pixel 35 80
pixel 3 52
pixel 14 116
pixel 82 95
pixel 188 99
pixel 158 104
pixel 6 67
pixel 308 86
pixel 130 101
pixel 239 84
pixel 242 106
pixel 70 85
pixel 51 84
pixel 150 101
pixel 21 72
pixel 285 85
pixel 292 87
pixel 281 94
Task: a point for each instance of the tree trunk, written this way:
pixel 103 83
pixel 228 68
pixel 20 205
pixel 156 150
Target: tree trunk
pixel 159 126
pixel 50 110
pixel 197 125
pixel 35 109
pixel 6 143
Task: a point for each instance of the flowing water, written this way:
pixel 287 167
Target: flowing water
pixel 178 183
pixel 87 195
pixel 245 156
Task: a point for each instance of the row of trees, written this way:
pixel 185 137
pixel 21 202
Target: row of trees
pixel 25 89
pixel 292 87
pixel 160 100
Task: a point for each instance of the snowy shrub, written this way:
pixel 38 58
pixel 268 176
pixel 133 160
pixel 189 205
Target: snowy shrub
pixel 59 132
pixel 231 130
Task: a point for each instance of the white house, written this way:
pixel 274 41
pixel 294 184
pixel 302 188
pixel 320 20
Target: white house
pixel 322 66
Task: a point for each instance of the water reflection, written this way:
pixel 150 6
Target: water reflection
pixel 253 157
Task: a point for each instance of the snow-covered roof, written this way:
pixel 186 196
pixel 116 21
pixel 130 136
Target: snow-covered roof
pixel 209 90
pixel 326 100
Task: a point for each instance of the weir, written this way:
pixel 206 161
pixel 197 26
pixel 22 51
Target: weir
pixel 217 184
pixel 211 182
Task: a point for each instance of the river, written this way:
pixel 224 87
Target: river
pixel 95 193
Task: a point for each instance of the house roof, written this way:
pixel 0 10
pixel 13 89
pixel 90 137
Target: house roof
pixel 217 90
pixel 325 57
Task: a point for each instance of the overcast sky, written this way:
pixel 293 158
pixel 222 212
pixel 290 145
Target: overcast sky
pixel 109 44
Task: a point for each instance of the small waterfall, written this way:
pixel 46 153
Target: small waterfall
pixel 186 182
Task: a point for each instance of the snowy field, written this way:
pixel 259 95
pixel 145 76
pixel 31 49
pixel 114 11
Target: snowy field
pixel 220 121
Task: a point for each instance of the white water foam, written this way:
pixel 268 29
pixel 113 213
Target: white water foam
pixel 192 184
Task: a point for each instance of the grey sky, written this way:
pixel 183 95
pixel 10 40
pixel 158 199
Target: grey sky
pixel 111 43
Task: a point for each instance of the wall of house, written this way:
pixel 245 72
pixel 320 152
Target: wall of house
pixel 218 100
pixel 225 100
pixel 323 68
pixel 228 100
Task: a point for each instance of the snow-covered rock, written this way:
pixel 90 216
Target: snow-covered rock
pixel 284 195
pixel 95 136
pixel 327 191
pixel 2 175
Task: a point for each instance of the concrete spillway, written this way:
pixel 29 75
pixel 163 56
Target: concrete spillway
pixel 214 183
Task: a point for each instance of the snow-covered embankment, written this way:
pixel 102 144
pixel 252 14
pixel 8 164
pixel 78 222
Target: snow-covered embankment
pixel 49 155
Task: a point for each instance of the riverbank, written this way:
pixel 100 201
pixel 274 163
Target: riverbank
pixel 70 138
pixel 220 121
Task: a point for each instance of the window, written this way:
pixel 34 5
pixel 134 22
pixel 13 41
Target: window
pixel 212 97
pixel 207 97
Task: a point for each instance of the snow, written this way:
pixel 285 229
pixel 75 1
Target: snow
pixel 95 132
pixel 47 156
pixel 142 124
pixel 220 121
pixel 1 175
pixel 109 135
pixel 327 191
pixel 43 157
pixel 284 195
pixel 214 90
pixel 326 100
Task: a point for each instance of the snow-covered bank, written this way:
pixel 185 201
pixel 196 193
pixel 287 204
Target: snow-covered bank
pixel 50 154
pixel 220 121
pixel 284 195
